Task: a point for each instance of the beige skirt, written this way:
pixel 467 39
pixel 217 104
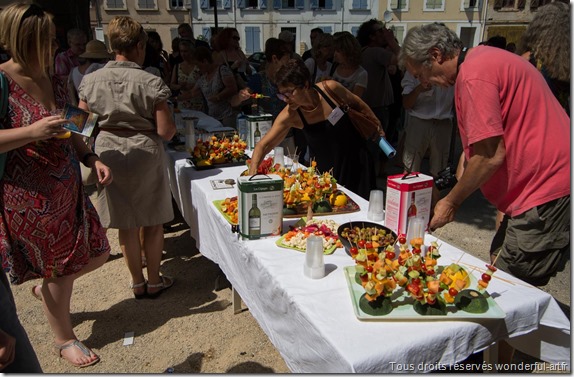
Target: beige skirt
pixel 139 194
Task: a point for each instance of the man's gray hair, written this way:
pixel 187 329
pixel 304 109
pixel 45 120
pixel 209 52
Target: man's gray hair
pixel 421 39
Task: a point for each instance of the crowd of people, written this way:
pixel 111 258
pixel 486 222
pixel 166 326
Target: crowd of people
pixel 507 106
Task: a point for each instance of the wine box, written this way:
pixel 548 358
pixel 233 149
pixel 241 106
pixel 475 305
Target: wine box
pixel 407 196
pixel 260 205
pixel 261 121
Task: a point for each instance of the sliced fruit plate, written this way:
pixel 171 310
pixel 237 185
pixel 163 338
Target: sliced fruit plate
pixel 296 238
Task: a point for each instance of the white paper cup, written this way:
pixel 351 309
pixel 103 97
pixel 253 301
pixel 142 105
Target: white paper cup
pixel 376 210
pixel 279 156
pixel 314 267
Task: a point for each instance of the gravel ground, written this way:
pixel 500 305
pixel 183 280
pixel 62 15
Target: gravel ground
pixel 192 328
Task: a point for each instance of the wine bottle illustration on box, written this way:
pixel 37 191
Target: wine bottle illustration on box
pixel 254 218
pixel 256 135
pixel 412 212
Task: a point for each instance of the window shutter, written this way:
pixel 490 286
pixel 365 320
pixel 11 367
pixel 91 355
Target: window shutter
pixel 240 4
pixel 328 4
pixel 262 4
pixel 249 40
pixel 206 32
pixel 256 39
pixel 466 4
pixel 227 4
pixel 204 4
pixel 395 4
pixel 300 4
pixel 498 4
pixel 521 4
pixel 277 4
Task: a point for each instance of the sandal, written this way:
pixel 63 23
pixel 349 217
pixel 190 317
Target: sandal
pixel 166 283
pixel 133 286
pixel 36 295
pixel 79 345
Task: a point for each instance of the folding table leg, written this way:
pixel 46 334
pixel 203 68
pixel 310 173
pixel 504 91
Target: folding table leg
pixel 490 356
pixel 236 301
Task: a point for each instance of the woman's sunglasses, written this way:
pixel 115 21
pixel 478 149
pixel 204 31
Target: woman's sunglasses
pixel 286 95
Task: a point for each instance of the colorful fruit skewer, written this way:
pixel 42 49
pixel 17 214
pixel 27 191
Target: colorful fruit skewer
pixel 487 276
pixel 258 95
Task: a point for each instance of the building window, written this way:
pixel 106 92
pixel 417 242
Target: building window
pixel 115 4
pixel 360 4
pixel 146 5
pixel 402 5
pixel 252 3
pixel 322 4
pixel 289 4
pixel 434 5
pixel 509 4
pixel 399 32
pixel 176 4
pixel 209 4
pixel 470 5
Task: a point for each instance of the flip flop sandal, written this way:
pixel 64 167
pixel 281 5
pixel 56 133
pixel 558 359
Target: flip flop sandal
pixel 139 296
pixel 36 296
pixel 166 283
pixel 79 345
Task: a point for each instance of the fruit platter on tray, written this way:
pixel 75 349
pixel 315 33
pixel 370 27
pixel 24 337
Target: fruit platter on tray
pixel 401 283
pixel 296 237
pixel 308 187
pixel 218 152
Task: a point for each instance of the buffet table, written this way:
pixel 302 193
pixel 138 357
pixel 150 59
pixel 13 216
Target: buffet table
pixel 312 322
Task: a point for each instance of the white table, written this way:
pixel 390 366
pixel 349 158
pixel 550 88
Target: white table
pixel 312 323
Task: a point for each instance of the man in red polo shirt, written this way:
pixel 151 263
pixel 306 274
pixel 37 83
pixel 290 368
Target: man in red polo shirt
pixel 516 140
pixel 67 60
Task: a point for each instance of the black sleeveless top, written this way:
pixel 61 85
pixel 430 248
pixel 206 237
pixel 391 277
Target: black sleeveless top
pixel 342 149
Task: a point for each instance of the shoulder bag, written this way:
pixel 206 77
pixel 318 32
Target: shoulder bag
pixel 366 126
pixel 4 90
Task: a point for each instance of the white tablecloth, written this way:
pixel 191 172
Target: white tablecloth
pixel 312 322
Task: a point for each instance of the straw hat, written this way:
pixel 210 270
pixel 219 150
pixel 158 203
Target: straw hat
pixel 96 50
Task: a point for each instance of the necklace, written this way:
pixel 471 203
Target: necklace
pixel 316 95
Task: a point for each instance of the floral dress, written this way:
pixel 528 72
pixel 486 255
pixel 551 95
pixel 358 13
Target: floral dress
pixel 189 78
pixel 48 226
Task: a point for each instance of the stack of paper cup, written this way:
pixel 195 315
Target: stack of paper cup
pixel 314 267
pixel 416 229
pixel 190 133
pixel 279 156
pixel 376 210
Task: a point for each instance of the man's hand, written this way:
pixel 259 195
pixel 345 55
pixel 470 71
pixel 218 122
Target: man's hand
pixel 7 349
pixel 443 214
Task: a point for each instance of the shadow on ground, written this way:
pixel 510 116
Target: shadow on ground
pixel 191 294
pixel 193 364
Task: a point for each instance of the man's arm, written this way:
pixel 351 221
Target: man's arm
pixel 489 155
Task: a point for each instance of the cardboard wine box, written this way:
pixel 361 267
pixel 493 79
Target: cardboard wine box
pixel 407 196
pixel 261 121
pixel 260 205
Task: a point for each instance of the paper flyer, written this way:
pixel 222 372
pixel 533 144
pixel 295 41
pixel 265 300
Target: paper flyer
pixel 80 121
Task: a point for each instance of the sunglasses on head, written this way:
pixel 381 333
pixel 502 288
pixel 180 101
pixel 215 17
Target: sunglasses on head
pixel 33 10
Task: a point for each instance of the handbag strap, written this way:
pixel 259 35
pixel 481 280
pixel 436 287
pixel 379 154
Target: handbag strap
pixel 337 99
pixel 4 89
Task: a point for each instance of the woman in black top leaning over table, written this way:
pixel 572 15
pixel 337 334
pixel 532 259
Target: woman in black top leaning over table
pixel 339 147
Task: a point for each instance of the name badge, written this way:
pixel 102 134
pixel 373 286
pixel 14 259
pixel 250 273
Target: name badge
pixel 335 115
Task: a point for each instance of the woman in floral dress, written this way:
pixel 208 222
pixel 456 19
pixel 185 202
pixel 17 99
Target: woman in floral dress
pixel 48 226
pixel 184 77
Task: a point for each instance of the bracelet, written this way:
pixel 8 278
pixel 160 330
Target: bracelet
pixel 87 157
